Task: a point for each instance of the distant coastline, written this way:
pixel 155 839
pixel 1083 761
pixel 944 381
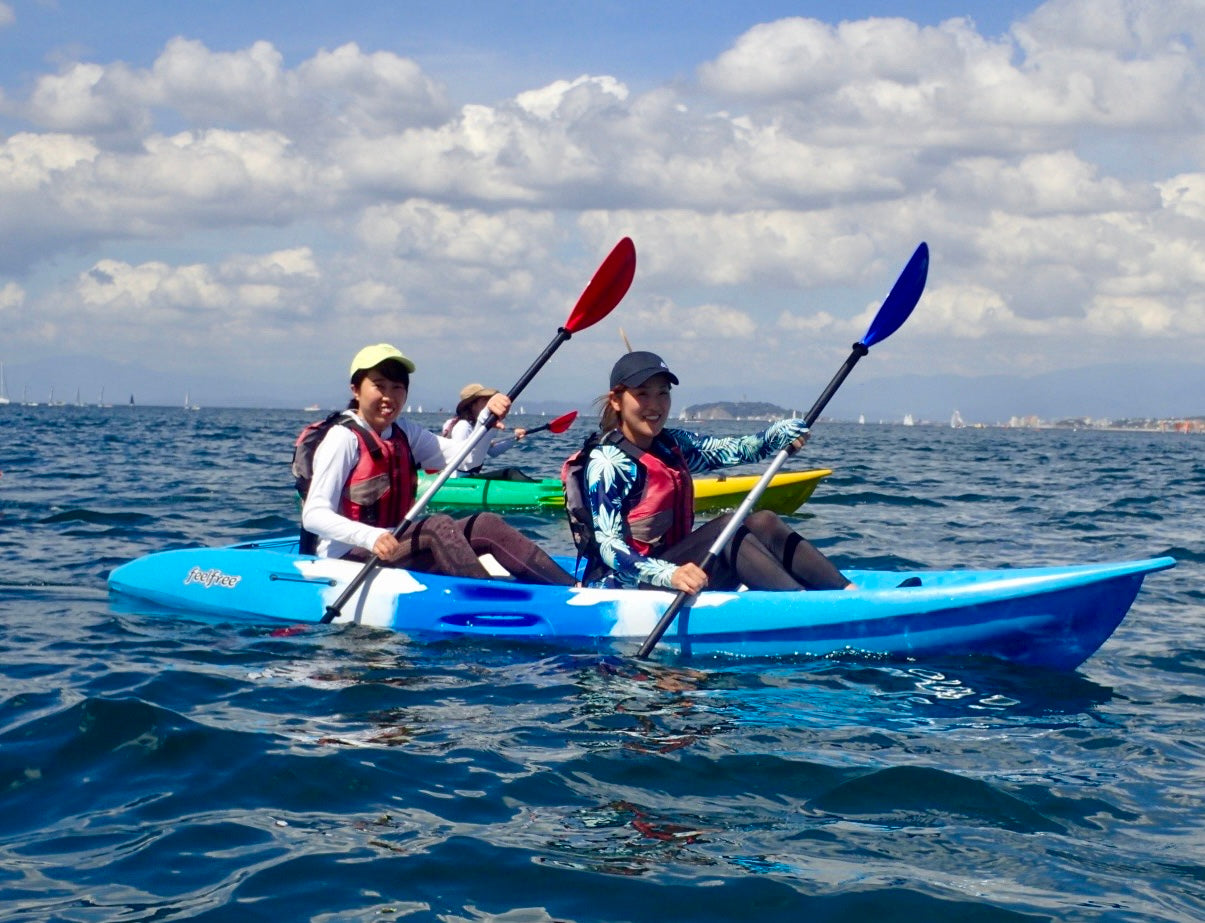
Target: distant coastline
pixel 762 411
pixel 728 411
pixel 1168 425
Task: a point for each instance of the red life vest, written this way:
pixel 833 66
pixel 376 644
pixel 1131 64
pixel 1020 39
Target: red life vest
pixel 382 486
pixel 658 512
pixel 386 466
pixel 664 509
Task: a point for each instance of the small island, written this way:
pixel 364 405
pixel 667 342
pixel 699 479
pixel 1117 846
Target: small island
pixel 736 410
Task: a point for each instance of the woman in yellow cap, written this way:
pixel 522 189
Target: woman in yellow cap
pixel 474 398
pixel 364 481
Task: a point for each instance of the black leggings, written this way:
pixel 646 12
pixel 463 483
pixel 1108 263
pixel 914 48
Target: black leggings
pixel 764 554
pixel 442 545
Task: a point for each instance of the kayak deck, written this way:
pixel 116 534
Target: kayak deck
pixel 1053 617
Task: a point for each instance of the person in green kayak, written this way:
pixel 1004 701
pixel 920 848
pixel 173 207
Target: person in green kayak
pixel 631 503
pixel 474 398
pixel 364 477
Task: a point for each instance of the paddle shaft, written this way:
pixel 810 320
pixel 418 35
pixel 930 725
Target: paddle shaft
pixel 750 501
pixel 540 428
pixel 505 444
pixel 561 423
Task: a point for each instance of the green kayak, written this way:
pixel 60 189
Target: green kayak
pixel 785 493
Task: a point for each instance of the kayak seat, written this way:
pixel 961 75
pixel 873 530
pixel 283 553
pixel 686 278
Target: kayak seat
pixel 493 566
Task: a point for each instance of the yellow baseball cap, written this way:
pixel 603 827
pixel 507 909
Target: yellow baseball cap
pixel 372 356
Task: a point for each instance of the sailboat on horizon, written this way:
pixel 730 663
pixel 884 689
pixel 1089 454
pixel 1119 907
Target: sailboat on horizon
pixel 3 387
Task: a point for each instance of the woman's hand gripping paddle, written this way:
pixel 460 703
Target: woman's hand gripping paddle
pixel 610 283
pixel 894 311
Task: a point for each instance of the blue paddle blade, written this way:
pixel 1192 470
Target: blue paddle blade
pixel 901 299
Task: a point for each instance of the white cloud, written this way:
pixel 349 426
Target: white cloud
pixel 798 57
pixel 1055 182
pixel 122 308
pixel 78 100
pixel 468 236
pixel 11 296
pixel 950 85
pixel 331 94
pixel 7 16
pixel 1184 195
pixel 31 161
pixel 112 287
pixel 1131 316
pixel 796 324
pixel 571 99
pixel 59 187
pixel 295 264
pixel 660 320
pixel 1122 27
pixel 967 312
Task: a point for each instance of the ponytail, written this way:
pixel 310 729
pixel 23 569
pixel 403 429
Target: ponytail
pixel 608 419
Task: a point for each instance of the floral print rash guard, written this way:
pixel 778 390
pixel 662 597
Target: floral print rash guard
pixel 611 476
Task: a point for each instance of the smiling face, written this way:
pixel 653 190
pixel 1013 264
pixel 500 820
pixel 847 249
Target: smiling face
pixel 642 410
pixel 379 399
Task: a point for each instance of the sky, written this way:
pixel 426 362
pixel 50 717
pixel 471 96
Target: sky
pixel 229 198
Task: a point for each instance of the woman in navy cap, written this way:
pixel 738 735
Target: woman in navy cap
pixel 364 480
pixel 631 498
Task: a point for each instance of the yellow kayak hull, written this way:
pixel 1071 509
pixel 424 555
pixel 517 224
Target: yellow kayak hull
pixel 785 493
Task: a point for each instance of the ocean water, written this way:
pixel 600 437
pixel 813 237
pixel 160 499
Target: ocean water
pixel 164 769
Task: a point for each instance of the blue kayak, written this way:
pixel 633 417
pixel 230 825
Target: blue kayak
pixel 1048 616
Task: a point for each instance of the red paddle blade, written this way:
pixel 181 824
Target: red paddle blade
pixel 610 283
pixel 560 424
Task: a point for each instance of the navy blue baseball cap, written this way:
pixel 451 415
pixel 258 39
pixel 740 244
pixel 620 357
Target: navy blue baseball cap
pixel 634 369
